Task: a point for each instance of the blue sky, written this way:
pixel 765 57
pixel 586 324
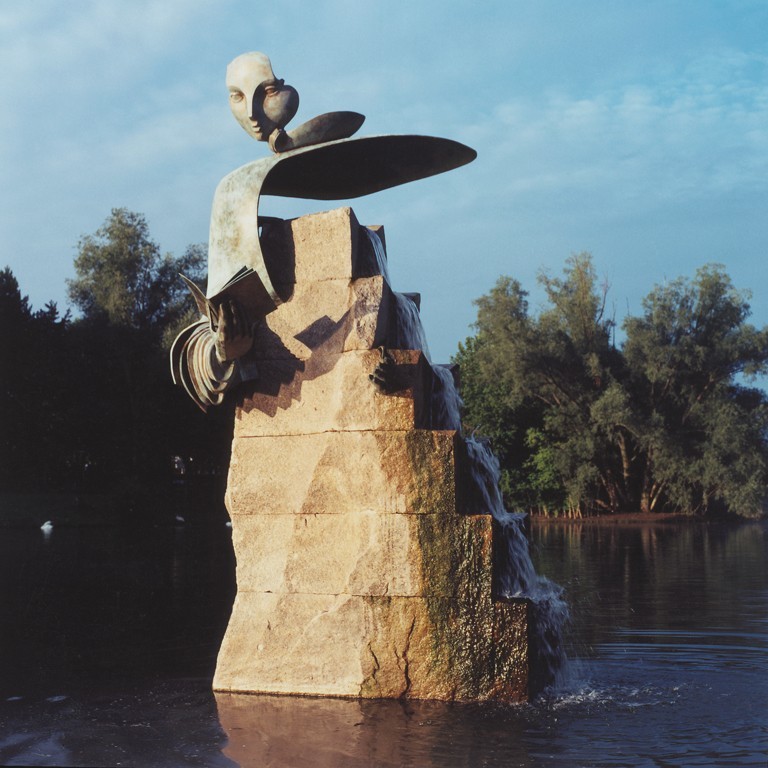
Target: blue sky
pixel 637 131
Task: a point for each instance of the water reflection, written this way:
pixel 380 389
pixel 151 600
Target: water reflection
pixel 336 733
pixel 108 638
pixel 165 724
pixel 656 575
pixel 94 605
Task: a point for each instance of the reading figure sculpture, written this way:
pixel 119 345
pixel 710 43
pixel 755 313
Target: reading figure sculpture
pixel 364 551
pixel 315 161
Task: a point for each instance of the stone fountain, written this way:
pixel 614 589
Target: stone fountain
pixel 365 554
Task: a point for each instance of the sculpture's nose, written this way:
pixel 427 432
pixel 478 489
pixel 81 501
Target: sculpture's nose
pixel 253 106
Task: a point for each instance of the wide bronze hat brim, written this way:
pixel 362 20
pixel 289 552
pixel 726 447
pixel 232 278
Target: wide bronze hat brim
pixel 355 167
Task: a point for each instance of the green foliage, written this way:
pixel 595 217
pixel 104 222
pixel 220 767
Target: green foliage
pixel 703 433
pixel 88 404
pixel 582 426
pixel 123 279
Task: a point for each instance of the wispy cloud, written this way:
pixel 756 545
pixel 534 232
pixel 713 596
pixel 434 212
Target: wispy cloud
pixel 700 135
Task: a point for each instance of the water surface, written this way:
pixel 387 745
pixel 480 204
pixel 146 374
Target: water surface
pixel 109 637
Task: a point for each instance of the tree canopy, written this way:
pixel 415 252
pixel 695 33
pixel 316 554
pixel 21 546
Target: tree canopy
pixel 664 422
pixel 123 279
pixel 88 401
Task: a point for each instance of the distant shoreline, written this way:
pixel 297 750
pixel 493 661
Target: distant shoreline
pixel 640 517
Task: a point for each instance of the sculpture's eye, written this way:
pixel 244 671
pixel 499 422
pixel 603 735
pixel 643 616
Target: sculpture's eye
pixel 236 95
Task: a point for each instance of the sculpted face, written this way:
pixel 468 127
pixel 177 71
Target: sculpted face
pixel 259 101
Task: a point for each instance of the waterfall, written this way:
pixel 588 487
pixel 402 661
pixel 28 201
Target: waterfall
pixel 514 573
pixel 379 254
pixel 446 402
pixel 513 570
pixel 406 330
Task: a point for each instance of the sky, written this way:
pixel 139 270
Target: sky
pixel 636 131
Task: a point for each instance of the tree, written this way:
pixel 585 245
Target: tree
pixel 704 434
pixel 88 404
pixel 15 324
pixel 133 303
pixel 548 372
pixel 33 413
pixel 123 279
pixel 665 423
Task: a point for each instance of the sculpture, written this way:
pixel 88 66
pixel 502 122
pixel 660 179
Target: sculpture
pixel 364 551
pixel 316 161
pixel 264 105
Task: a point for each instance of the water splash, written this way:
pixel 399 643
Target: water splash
pixel 514 572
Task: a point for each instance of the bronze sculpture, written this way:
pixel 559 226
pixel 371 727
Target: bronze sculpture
pixel 317 160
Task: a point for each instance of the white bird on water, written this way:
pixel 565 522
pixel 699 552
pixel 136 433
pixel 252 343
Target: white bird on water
pixel 47 526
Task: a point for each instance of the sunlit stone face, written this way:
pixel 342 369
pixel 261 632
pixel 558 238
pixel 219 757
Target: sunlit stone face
pixel 259 101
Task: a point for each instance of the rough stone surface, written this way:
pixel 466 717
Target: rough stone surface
pixel 511 633
pixel 374 554
pixel 343 316
pixel 409 471
pixel 325 245
pixel 332 393
pixel 369 646
pixel 360 572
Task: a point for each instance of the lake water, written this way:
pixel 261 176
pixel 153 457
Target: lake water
pixel 108 638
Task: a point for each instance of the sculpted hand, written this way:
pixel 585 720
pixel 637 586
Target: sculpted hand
pixel 234 334
pixel 384 376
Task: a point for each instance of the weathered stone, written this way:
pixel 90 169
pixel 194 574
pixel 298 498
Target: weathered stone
pixel 325 245
pixel 293 643
pixel 343 472
pixel 363 553
pixel 351 645
pixel 332 393
pixel 511 665
pixel 360 572
pixel 323 318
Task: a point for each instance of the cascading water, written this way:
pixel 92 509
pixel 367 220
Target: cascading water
pixel 405 328
pixel 446 402
pixel 514 572
pixel 379 256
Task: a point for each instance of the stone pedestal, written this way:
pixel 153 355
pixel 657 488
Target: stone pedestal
pixel 358 573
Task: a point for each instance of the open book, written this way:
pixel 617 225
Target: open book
pixel 245 287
